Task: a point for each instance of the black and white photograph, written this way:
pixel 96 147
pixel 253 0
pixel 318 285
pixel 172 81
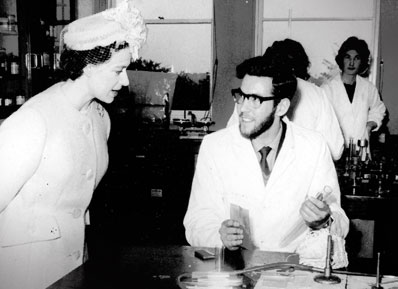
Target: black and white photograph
pixel 185 144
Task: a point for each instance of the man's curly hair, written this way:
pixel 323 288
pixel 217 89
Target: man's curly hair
pixel 284 83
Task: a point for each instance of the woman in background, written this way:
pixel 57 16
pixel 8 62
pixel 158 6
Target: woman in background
pixel 355 99
pixel 53 150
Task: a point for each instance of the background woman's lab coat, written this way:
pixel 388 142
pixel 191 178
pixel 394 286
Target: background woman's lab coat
pixel 353 117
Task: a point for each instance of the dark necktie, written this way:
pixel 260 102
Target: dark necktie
pixel 263 162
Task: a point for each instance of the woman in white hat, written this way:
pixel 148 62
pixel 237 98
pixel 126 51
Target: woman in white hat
pixel 53 150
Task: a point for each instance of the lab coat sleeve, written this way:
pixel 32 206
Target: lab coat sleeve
pixel 377 109
pixel 330 127
pixel 327 90
pixel 206 210
pixel 325 175
pixel 22 138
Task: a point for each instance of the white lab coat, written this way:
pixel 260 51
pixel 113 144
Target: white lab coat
pixel 228 172
pixel 310 108
pixel 353 117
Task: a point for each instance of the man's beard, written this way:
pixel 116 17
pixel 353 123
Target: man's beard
pixel 260 128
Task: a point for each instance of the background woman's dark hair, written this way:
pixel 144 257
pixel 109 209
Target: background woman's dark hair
pixel 284 83
pixel 72 62
pixel 360 46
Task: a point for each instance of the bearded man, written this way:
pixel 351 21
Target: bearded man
pixel 256 181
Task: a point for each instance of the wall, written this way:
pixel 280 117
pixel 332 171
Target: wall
pixel 389 56
pixel 234 20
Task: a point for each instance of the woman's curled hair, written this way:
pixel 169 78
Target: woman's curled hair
pixel 72 62
pixel 361 47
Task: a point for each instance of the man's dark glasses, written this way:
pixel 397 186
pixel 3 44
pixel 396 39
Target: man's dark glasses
pixel 253 99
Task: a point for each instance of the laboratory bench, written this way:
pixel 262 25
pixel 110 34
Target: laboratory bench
pixel 160 266
pixel 172 267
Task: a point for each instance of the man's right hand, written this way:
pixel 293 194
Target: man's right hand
pixel 231 233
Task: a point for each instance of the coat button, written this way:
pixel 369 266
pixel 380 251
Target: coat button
pixel 77 213
pixel 87 128
pixel 89 174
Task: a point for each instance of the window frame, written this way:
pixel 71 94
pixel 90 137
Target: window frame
pixel 190 21
pixel 374 18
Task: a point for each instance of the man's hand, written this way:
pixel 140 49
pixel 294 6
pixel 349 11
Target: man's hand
pixel 315 212
pixel 231 233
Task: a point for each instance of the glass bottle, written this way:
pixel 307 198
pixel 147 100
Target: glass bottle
pixel 3 61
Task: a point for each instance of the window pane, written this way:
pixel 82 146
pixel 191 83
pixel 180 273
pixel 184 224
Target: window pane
pixel 175 9
pixel 183 47
pixel 63 10
pixel 318 8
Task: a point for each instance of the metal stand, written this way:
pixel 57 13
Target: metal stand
pixel 327 277
pixel 377 285
pixel 323 279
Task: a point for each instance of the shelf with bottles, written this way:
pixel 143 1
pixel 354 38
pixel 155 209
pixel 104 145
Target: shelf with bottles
pixel 9 64
pixel 11 96
pixel 8 25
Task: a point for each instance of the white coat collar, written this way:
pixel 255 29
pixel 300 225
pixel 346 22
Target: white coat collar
pixel 247 155
pixel 358 95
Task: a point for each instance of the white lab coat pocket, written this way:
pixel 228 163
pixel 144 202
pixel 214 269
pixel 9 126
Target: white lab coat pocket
pixel 18 230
